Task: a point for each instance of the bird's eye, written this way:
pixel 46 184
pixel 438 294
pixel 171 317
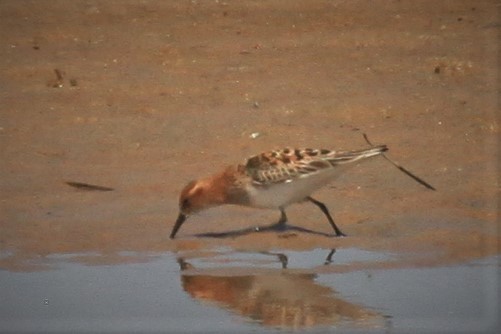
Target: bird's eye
pixel 186 203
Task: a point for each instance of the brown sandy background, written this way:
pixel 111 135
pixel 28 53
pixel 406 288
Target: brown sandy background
pixel 153 94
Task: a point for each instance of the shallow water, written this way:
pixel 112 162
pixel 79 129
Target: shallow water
pixel 233 292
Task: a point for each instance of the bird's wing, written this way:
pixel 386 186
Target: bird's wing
pixel 285 165
pixel 288 164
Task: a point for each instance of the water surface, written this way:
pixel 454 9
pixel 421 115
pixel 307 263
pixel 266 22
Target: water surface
pixel 244 292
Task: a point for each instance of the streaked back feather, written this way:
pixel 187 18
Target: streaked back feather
pixel 288 164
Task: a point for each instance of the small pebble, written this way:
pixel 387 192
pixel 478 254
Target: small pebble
pixel 254 135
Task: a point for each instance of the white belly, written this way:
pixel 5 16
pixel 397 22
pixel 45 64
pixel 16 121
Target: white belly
pixel 282 194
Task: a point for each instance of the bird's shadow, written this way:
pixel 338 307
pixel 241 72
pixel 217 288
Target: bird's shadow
pixel 277 227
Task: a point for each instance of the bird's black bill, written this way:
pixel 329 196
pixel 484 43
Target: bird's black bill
pixel 180 220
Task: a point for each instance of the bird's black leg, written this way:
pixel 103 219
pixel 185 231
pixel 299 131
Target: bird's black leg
pixel 283 217
pixel 281 225
pixel 327 214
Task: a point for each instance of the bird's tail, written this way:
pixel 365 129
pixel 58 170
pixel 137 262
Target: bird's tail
pixel 344 157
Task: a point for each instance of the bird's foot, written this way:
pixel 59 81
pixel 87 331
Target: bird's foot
pixel 280 226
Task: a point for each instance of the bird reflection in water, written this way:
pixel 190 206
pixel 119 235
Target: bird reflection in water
pixel 279 298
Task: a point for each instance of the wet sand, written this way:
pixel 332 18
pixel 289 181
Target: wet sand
pixel 142 97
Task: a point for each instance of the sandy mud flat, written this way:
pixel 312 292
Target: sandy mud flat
pixel 140 97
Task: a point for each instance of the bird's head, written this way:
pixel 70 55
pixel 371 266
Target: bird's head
pixel 195 196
